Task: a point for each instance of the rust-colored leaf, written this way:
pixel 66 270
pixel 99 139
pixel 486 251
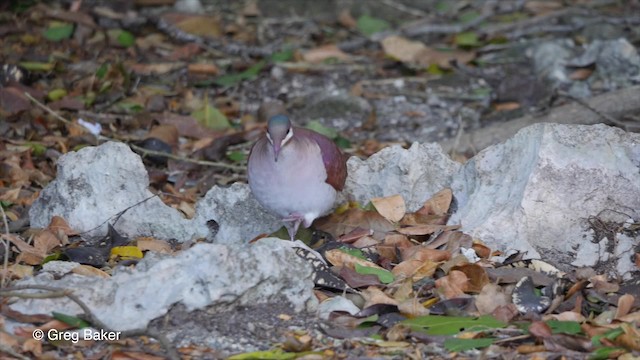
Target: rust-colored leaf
pixel 324 53
pixel 453 285
pixel 476 275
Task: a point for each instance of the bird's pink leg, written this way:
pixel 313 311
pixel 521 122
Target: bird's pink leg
pixel 292 223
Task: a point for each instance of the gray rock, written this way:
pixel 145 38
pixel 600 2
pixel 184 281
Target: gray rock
pixel 415 173
pixel 337 109
pixel 213 275
pixel 240 216
pixel 617 62
pixel 536 191
pixel 95 184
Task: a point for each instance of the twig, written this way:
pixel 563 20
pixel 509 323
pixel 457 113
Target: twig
pixel 607 117
pixel 7 349
pixel 400 7
pixel 138 148
pixel 92 319
pixel 5 243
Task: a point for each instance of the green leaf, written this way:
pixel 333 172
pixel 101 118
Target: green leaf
pixel 76 322
pixel 276 354
pixel 5 204
pixel 56 94
pixel 237 156
pixel 468 16
pixel 52 257
pixel 385 276
pixel 129 107
pixel 234 79
pixel 342 142
pixel 102 71
pixel 368 25
pixel 37 66
pixel 211 117
pixel 467 39
pixel 353 252
pixel 126 38
pixel 452 325
pixel 457 345
pixel 443 6
pixel 564 327
pixel 605 353
pixel 317 126
pixel 58 31
pixel 37 149
pixel 610 335
pixel 282 56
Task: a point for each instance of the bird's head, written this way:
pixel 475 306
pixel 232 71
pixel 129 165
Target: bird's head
pixel 279 132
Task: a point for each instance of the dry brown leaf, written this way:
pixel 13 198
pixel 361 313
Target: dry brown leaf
pixel 167 133
pixel 402 49
pixel 372 295
pixel 323 53
pixel 203 68
pixel 251 9
pixel 443 58
pixel 422 253
pixel 155 245
pixel 28 254
pixel 581 74
pixel 46 240
pixel 58 223
pixel 540 329
pixel 505 313
pixel 476 275
pixel 339 224
pixel 155 69
pixel 392 207
pixel 415 269
pixel 404 290
pixel 426 229
pixel 412 307
pixel 17 271
pixel 453 285
pixel 490 298
pixel 392 245
pixel 603 285
pixel 86 270
pixel 199 25
pixel 366 242
pixel 346 19
pixel 483 251
pixel 341 259
pixel 32 346
pixel 625 304
pixel 542 7
pixel 506 106
pixel 438 204
pixel 566 316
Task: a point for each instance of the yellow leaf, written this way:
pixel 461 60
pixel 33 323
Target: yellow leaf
pixel 126 252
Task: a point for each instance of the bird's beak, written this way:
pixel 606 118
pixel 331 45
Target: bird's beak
pixel 276 150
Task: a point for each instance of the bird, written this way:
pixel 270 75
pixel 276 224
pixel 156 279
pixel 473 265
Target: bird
pixel 295 173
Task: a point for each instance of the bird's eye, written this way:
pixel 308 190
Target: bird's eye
pixel 288 137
